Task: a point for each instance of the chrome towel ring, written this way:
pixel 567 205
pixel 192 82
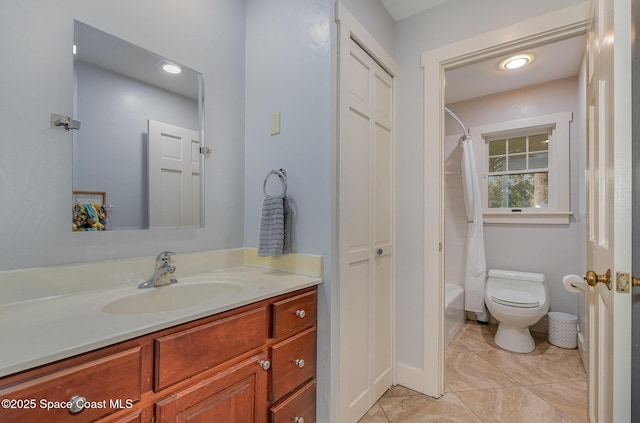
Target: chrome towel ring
pixel 282 174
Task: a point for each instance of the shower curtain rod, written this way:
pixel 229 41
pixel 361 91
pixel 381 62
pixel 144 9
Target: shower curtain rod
pixel 457 119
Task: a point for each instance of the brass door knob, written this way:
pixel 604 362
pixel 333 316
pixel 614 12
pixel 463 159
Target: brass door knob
pixel 593 278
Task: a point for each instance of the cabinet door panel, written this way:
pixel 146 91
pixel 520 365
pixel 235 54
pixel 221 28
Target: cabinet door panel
pixel 238 394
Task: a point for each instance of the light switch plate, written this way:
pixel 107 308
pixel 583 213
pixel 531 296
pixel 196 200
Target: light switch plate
pixel 275 123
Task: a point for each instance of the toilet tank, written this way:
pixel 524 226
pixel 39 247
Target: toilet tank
pixel 513 276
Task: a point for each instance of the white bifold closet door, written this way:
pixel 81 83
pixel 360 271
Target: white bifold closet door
pixel 366 235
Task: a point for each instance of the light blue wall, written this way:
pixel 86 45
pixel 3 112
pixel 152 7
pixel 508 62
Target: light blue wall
pixel 374 17
pixel 35 160
pixel 448 22
pixel 289 69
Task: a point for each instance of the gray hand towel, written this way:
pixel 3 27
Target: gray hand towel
pixel 272 226
pixel 288 220
pixel 275 226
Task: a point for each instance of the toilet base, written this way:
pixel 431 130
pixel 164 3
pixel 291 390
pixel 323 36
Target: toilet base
pixel 514 338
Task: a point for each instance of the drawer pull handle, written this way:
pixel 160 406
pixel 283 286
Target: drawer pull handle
pixel 76 404
pixel 265 364
pixel 300 313
pixel 298 419
pixel 299 362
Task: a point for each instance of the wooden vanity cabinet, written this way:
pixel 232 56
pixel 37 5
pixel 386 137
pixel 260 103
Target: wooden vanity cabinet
pixel 253 364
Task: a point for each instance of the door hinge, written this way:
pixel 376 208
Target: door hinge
pixel 440 247
pixel 206 151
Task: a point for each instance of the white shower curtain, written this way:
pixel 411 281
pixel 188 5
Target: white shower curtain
pixel 476 266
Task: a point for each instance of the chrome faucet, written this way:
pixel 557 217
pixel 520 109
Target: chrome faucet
pixel 161 273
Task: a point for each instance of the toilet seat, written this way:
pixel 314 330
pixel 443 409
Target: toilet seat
pixel 514 298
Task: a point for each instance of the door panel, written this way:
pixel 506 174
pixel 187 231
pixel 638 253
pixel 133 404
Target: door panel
pixel 358 177
pixel 174 175
pixel 382 338
pixel 366 224
pixel 609 205
pixel 382 186
pixel 357 325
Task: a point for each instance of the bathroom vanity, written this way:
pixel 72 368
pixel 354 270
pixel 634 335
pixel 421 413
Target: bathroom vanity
pixel 247 361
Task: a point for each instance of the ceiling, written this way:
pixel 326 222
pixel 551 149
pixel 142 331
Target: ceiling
pixel 400 9
pixel 554 61
pixel 558 60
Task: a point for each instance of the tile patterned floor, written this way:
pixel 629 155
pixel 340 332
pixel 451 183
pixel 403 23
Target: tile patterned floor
pixel 486 384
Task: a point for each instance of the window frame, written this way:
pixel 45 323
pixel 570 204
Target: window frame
pixel 559 184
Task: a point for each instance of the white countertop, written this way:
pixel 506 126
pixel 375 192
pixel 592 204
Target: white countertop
pixel 43 330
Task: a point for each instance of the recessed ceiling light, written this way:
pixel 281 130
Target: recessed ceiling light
pixel 517 61
pixel 171 68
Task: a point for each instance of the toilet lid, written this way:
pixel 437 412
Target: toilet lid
pixel 513 298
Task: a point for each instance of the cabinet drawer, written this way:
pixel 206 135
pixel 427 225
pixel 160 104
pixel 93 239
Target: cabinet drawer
pixel 294 362
pixel 191 351
pixel 293 313
pixel 301 404
pixel 108 384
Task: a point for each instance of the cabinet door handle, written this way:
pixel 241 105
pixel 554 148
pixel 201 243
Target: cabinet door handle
pixel 301 313
pixel 76 404
pixel 299 362
pixel 265 364
pixel 298 419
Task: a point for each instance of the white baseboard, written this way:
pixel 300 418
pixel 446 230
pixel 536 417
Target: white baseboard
pixel 582 349
pixel 410 377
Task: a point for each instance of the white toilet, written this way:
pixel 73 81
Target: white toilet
pixel 517 300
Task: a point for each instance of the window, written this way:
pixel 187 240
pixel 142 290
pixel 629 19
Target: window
pixel 526 170
pixel 518 175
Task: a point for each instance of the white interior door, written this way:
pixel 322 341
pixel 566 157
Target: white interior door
pixel 174 175
pixel 609 211
pixel 366 234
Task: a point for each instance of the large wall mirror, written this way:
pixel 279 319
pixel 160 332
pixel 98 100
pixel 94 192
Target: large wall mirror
pixel 137 161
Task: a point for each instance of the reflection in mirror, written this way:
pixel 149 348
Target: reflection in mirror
pixel 140 137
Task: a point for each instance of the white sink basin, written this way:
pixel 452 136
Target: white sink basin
pixel 171 297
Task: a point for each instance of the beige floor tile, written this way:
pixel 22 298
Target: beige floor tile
pixel 483 385
pixel 568 397
pixel 374 415
pixel 511 405
pixel 465 371
pixel 474 337
pixel 399 391
pixel 554 365
pixel 422 409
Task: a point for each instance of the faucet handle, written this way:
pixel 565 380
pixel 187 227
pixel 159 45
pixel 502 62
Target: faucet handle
pixel 163 257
